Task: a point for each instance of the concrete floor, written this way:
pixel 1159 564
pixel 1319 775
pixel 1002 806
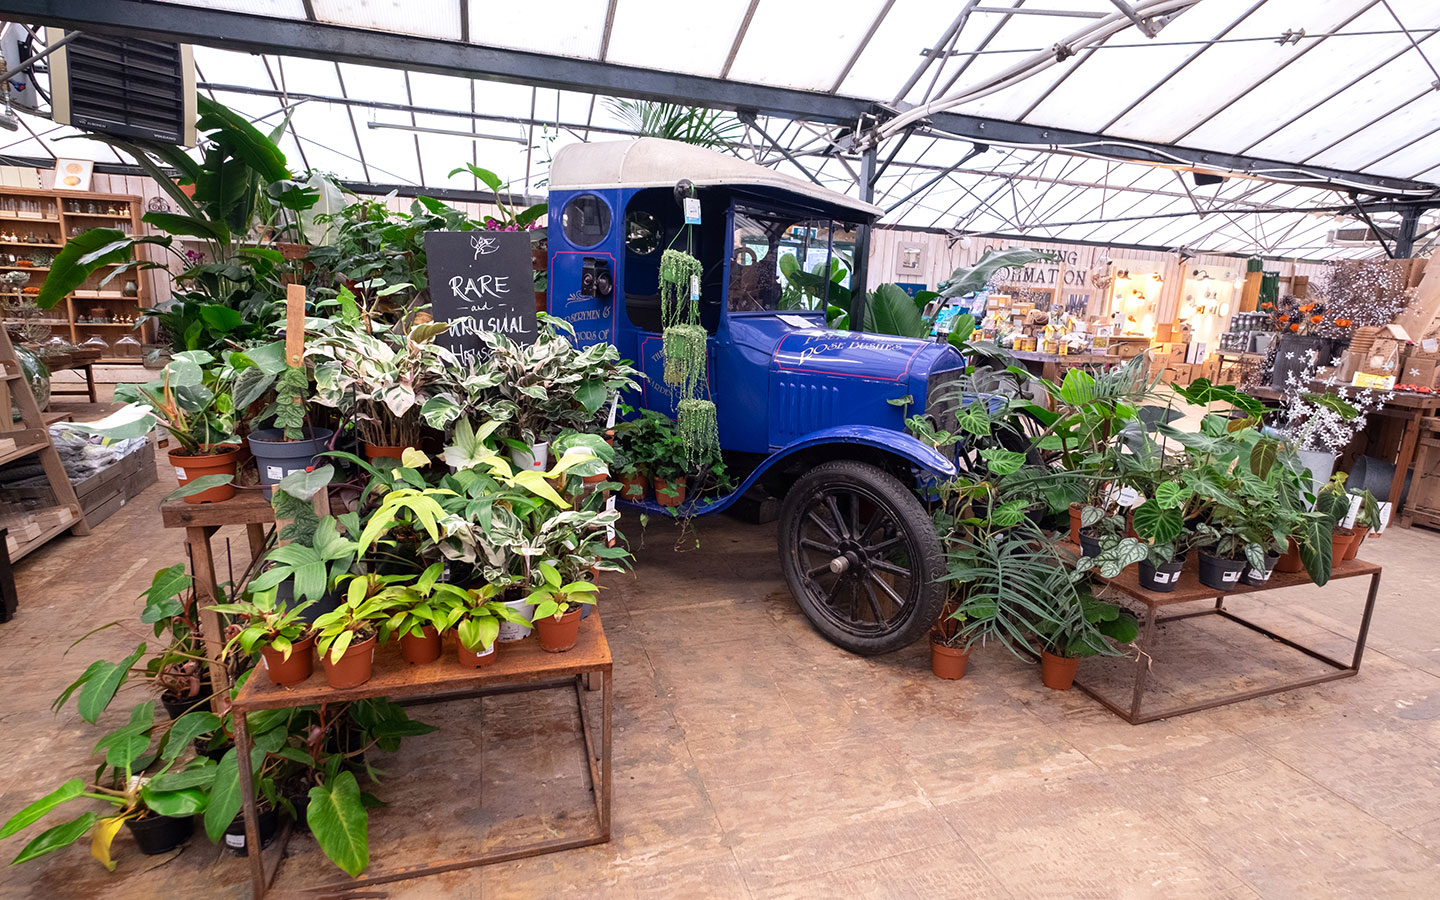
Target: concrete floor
pixel 753 759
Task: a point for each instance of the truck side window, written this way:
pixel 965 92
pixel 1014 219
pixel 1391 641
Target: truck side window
pixel 654 222
pixel 585 220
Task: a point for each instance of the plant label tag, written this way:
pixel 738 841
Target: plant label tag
pixel 1166 577
pixel 235 841
pixel 692 210
pixel 1229 576
pixel 275 472
pixel 695 288
pixel 179 474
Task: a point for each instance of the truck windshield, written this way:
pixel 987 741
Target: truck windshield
pixel 780 262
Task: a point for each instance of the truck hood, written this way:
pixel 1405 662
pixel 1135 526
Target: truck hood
pixel 873 357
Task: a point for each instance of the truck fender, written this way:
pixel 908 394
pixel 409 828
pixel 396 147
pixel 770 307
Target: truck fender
pixel 907 446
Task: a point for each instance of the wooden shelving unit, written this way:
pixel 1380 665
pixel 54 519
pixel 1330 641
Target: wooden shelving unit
pixel 36 224
pixel 30 526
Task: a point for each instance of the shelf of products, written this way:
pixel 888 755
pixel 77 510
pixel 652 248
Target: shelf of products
pixel 34 226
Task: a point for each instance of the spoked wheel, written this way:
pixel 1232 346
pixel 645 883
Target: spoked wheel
pixel 861 557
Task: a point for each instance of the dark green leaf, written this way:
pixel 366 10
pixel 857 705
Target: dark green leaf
pixel 56 838
pixel 338 820
pixel 37 810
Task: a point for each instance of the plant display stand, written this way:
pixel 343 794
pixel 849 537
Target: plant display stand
pixel 521 666
pixel 201 521
pixel 1190 590
pixel 31 437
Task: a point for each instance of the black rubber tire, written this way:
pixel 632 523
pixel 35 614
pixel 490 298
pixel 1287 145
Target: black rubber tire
pixel 904 514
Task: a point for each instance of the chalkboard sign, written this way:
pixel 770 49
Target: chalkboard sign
pixel 487 276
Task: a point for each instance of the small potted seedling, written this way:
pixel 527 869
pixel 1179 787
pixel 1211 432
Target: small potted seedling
pixel 283 638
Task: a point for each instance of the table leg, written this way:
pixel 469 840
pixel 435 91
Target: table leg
pixel 255 535
pixel 253 851
pixel 1142 662
pixel 90 381
pixel 1364 633
pixel 1409 439
pixel 197 539
pixel 607 705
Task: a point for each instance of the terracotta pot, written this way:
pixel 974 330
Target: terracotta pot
pixel 1290 562
pixel 423 649
pixel 661 486
pixel 1058 672
pixel 948 662
pixel 632 487
pixel 558 635
pixel 595 479
pixel 1075 523
pixel 473 660
pixel 379 451
pixel 354 666
pixel 1360 535
pixel 1340 541
pixel 292 251
pixel 188 468
pixel 285 672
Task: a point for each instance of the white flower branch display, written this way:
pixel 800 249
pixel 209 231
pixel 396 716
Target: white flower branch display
pixel 1326 421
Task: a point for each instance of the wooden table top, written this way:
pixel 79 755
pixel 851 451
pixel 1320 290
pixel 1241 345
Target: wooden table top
pixel 1189 589
pixel 519 662
pixel 249 506
pixel 1074 359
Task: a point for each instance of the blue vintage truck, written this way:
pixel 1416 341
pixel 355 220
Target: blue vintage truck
pixel 810 414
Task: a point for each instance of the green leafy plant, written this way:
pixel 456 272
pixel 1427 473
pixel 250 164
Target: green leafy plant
pixel 367 603
pixel 191 399
pixel 267 624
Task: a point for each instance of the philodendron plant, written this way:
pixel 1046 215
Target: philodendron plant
pixel 475 614
pixel 136 780
pixel 1116 550
pixel 191 399
pixel 267 624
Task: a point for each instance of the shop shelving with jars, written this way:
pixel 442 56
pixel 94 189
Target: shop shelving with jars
pixel 35 225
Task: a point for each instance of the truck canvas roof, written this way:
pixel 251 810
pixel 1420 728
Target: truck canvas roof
pixel 655 162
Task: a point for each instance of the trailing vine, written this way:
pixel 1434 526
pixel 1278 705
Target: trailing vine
pixel 679 305
pixel 685 357
pixel 698 428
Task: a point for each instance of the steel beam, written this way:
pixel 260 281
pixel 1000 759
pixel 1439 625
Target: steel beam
pixel 860 271
pixel 257 34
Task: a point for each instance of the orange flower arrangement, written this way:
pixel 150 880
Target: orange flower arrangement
pixel 1343 323
pixel 1316 320
pixel 1295 326
pixel 1284 319
pixel 1307 307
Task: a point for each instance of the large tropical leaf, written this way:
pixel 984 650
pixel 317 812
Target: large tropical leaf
pixel 100 689
pixel 225 796
pixel 338 820
pixel 241 139
pixel 889 310
pixel 190 226
pixel 37 810
pixel 1156 522
pixel 56 838
pixel 69 270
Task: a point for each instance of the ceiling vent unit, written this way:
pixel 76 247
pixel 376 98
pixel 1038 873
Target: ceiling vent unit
pixel 124 87
pixel 1360 236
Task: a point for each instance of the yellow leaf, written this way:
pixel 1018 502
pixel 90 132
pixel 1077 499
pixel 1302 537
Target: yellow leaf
pixel 101 836
pixel 411 458
pixel 536 484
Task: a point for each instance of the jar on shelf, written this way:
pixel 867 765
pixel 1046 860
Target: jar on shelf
pixel 128 347
pixel 96 343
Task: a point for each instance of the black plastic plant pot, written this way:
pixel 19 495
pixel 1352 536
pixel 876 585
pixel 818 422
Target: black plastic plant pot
pixel 285 598
pixel 160 834
pixel 235 834
pixel 1089 544
pixel 179 706
pixel 1163 578
pixel 276 457
pixel 1218 573
pixel 1258 577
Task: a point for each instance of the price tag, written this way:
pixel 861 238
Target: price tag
pixel 692 210
pixel 695 288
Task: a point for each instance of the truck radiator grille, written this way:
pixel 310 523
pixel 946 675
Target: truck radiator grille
pixel 943 399
pixel 801 409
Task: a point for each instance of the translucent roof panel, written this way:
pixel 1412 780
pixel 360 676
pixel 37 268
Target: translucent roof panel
pixel 1307 84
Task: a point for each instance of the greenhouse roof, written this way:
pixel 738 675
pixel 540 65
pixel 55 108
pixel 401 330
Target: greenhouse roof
pixel 1070 120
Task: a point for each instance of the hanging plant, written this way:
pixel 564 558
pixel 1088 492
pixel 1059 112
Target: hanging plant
pixel 679 305
pixel 699 430
pixel 685 356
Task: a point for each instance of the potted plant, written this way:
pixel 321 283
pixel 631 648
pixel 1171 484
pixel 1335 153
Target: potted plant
pixel 419 616
pixel 557 608
pixel 1367 519
pixel 1333 502
pixel 309 568
pixel 949 654
pixel 476 615
pixel 157 807
pixel 383 379
pixel 283 638
pixel 194 404
pixel 1067 639
pixel 346 636
pixel 630 475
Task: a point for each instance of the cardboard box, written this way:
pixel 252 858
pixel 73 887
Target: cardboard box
pixel 1178 373
pixel 1420 372
pixel 1195 353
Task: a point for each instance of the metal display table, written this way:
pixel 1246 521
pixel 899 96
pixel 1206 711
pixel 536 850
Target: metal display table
pixel 1190 590
pixel 522 666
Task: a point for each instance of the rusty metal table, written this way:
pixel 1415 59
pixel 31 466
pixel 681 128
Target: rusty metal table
pixel 1190 590
pixel 521 666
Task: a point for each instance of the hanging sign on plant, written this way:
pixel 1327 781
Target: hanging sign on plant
pixel 484 276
